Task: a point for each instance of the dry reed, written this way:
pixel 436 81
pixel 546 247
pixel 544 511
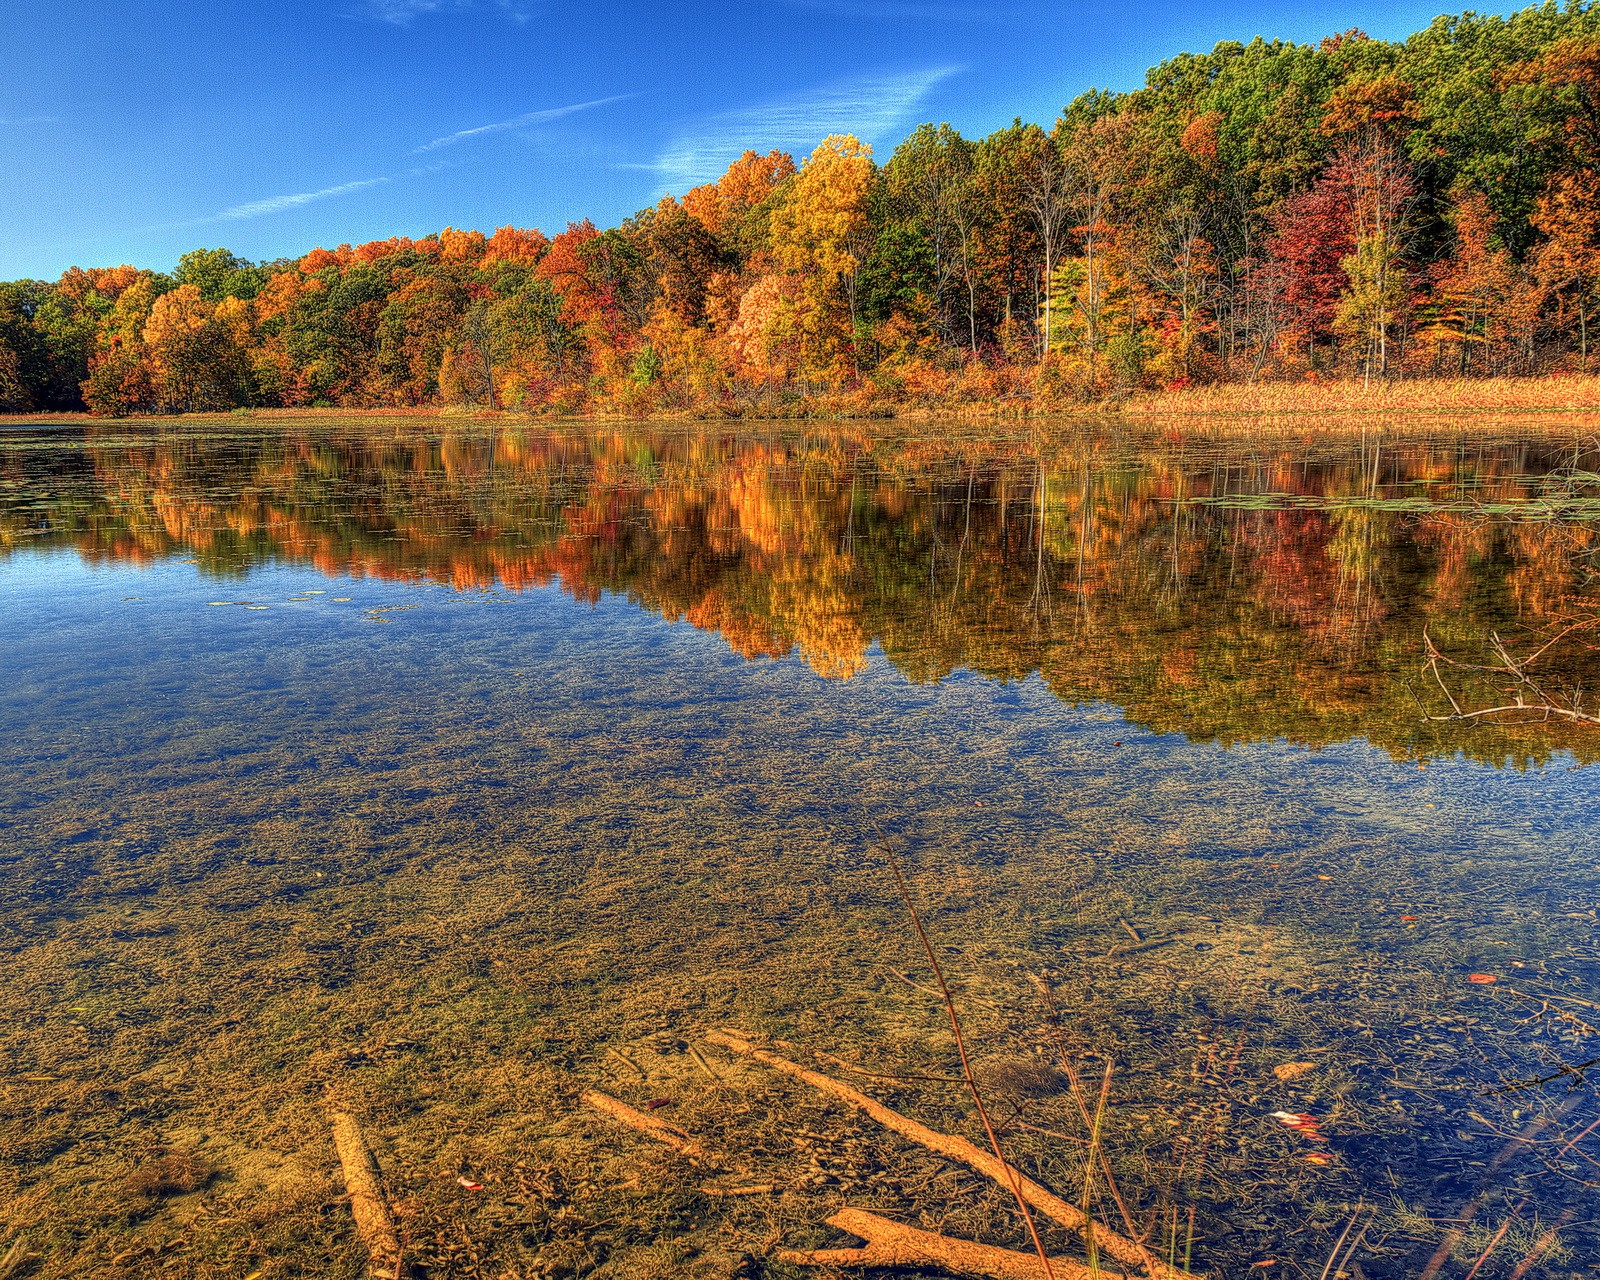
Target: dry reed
pixel 1551 393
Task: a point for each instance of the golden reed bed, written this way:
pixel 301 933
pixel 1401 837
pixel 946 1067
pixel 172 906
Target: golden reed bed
pixel 1348 403
pixel 1554 393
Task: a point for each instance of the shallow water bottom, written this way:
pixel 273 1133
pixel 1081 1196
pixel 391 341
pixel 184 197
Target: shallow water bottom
pixel 446 859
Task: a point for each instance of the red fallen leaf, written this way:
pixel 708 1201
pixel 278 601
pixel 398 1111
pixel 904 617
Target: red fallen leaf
pixel 1308 1127
pixel 654 1103
pixel 1408 917
pixel 1265 1262
pixel 469 1184
pixel 1482 979
pixel 1318 1157
pixel 977 804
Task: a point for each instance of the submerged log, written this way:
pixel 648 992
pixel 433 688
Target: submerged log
pixel 367 1206
pixel 1106 1241
pixel 894 1244
pixel 647 1125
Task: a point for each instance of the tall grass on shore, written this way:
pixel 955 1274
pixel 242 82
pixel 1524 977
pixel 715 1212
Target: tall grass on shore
pixel 1553 393
pixel 968 400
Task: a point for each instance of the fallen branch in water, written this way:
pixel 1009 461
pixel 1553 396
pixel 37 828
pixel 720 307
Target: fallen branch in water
pixel 937 995
pixel 1134 948
pixel 1529 702
pixel 1069 1066
pixel 1576 1073
pixel 647 1125
pixel 367 1206
pixel 884 1075
pixel 1012 1180
pixel 894 1244
pixel 958 1148
pixel 15 1257
pixel 703 1064
pixel 629 1063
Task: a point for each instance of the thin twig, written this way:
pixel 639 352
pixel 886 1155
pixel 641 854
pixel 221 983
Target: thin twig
pixel 966 1065
pixel 1510 669
pixel 1096 1155
pixel 1076 1089
pixel 1327 1267
pixel 1495 1242
pixel 884 1075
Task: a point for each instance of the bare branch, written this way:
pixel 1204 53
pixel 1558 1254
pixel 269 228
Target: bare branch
pixel 1510 679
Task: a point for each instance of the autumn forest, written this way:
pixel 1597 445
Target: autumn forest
pixel 1264 212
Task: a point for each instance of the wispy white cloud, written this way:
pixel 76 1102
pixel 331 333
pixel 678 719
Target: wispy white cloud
pixel 294 200
pixel 277 204
pixel 869 107
pixel 402 13
pixel 520 122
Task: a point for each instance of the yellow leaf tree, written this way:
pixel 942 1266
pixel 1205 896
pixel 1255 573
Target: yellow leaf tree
pixel 819 235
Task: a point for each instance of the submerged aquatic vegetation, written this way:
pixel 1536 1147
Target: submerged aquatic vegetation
pixel 168 1173
pixel 449 874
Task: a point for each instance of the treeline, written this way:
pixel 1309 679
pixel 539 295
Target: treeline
pixel 1264 211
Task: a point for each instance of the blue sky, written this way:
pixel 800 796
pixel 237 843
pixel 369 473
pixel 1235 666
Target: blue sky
pixel 130 132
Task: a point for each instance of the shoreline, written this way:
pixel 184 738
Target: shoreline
pixel 1520 398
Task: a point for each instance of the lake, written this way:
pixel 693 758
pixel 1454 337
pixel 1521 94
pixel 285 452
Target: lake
pixel 436 771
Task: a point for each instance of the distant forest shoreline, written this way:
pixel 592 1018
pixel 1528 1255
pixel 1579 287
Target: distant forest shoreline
pixel 1259 225
pixel 1546 402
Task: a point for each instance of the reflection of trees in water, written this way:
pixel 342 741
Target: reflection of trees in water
pixel 1106 565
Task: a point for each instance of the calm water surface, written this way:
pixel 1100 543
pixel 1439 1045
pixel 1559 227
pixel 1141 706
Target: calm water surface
pixel 440 771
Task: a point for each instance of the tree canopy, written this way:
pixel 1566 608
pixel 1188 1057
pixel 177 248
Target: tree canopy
pixel 1264 210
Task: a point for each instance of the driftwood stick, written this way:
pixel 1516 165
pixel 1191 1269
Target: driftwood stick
pixel 629 1063
pixel 936 994
pixel 647 1125
pixel 700 1059
pixel 17 1254
pixel 894 1244
pixel 1149 944
pixel 1046 1201
pixel 367 1205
